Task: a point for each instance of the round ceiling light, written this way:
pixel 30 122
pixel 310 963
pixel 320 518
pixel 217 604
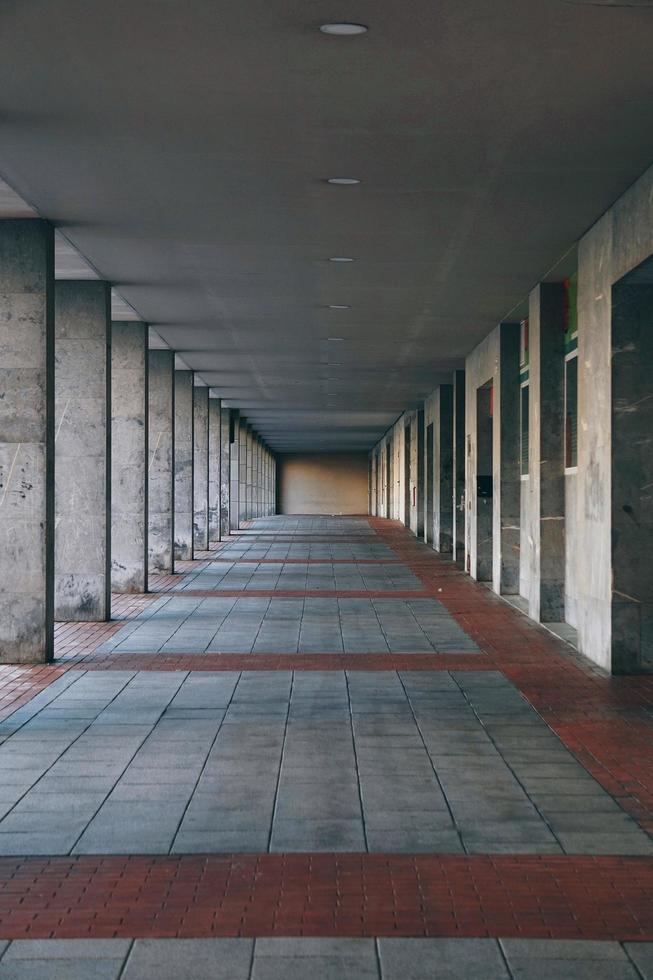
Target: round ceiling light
pixel 341 258
pixel 339 306
pixel 343 180
pixel 343 29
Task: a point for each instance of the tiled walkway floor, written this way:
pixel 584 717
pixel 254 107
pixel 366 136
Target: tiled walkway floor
pixel 403 756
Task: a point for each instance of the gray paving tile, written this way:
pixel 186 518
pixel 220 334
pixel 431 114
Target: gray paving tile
pixel 441 959
pixel 199 959
pixel 641 955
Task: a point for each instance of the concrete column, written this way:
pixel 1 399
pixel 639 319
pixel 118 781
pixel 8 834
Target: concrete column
pixel 215 467
pixel 546 453
pixel 259 451
pixel 82 450
pixel 458 488
pixel 201 468
pixel 129 410
pixel 225 483
pixel 249 442
pixel 242 472
pixel 161 523
pixel 184 500
pixel 26 441
pixel 443 470
pixel 234 470
pixel 507 482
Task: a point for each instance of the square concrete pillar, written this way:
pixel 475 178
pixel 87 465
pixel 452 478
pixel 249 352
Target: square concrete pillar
pixel 234 470
pixel 129 411
pixel 225 483
pixel 249 453
pixel 242 472
pixel 201 468
pixel 546 503
pixel 259 466
pixel 184 488
pixel 82 451
pixel 458 489
pixel 26 441
pixel 215 453
pixel 161 437
pixel 443 470
pixel 508 485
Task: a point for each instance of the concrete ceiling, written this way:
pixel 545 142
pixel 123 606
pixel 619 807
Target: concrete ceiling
pixel 182 146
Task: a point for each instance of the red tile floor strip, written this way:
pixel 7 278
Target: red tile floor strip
pixel 142 896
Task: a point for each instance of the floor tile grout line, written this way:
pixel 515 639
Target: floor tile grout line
pixel 640 975
pixel 498 942
pixel 206 760
pixel 428 755
pixel 126 959
pixel 358 775
pixel 281 757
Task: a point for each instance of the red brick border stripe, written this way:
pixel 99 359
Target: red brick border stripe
pixel 327 895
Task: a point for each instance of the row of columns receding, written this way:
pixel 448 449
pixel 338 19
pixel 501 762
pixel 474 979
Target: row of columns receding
pixel 113 465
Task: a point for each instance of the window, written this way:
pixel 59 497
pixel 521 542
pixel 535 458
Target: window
pixel 523 428
pixel 571 411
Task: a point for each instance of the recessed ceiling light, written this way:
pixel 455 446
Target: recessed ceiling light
pixel 343 29
pixel 341 258
pixel 335 338
pixel 343 180
pixel 339 306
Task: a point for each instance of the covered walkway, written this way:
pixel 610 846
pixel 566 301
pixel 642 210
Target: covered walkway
pixel 322 750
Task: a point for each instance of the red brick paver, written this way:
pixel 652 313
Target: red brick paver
pixel 327 895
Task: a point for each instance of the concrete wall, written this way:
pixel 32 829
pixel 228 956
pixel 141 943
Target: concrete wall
pixel 619 242
pixel 323 483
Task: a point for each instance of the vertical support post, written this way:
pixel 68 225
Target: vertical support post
pixel 215 455
pixel 184 440
pixel 234 471
pixel 546 453
pixel 201 468
pixel 26 441
pixel 225 483
pixel 242 472
pixel 443 478
pixel 507 481
pixel 82 450
pixel 161 510
pixel 458 542
pixel 129 411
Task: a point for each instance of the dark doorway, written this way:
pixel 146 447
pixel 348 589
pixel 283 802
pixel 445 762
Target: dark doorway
pixel 379 487
pixel 429 488
pixel 407 474
pixel 632 470
pixel 419 475
pixel 484 502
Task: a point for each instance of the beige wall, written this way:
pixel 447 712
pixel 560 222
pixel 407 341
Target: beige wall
pixel 323 483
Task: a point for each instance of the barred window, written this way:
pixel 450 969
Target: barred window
pixel 523 428
pixel 571 412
